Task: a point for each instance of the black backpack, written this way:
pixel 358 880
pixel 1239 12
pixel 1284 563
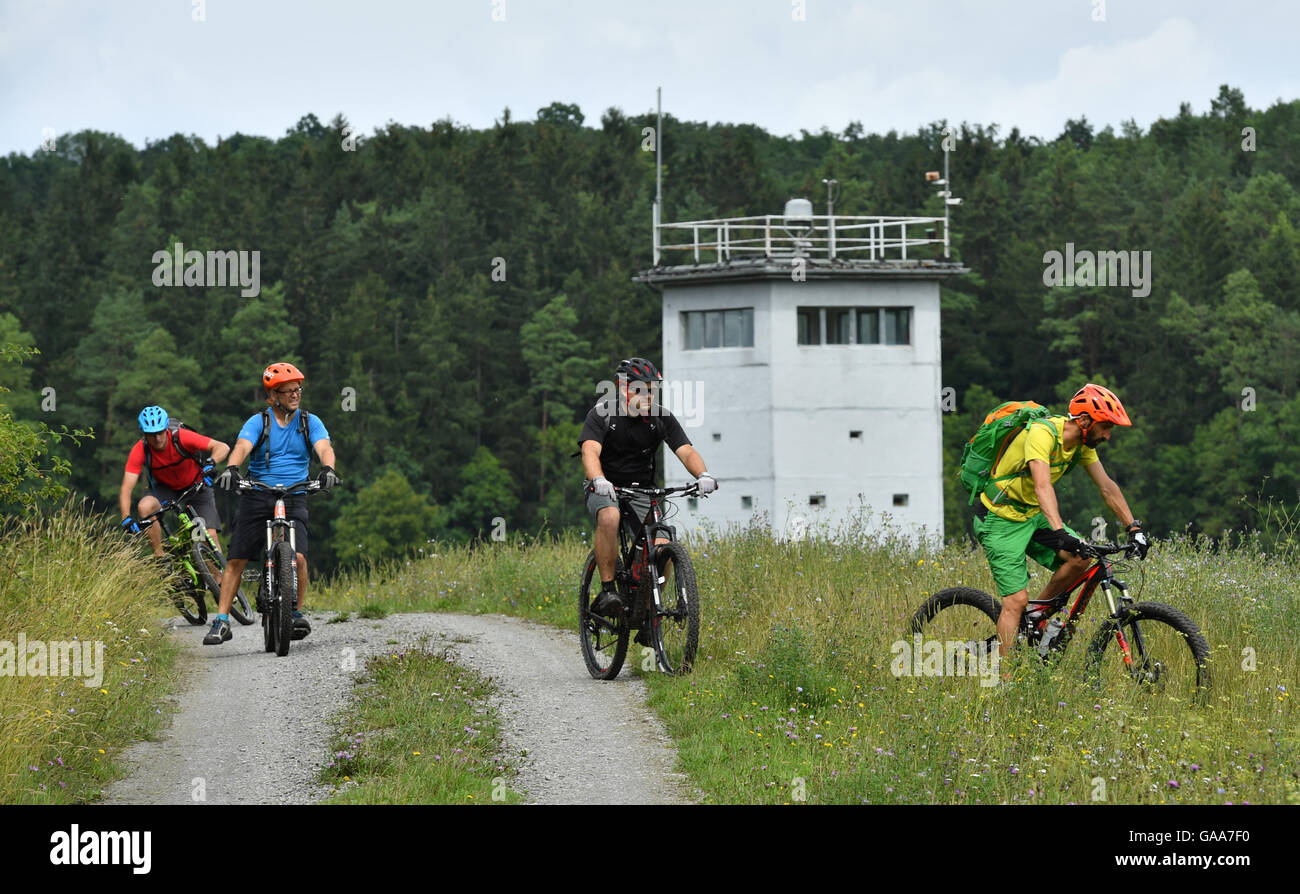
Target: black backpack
pixel 304 424
pixel 174 427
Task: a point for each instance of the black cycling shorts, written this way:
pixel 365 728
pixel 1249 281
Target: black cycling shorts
pixel 255 508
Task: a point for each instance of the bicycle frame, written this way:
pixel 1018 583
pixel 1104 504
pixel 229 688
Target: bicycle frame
pixel 187 528
pixel 632 533
pixel 275 532
pixel 1040 611
pixel 646 532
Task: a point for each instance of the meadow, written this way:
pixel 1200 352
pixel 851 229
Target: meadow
pixel 792 697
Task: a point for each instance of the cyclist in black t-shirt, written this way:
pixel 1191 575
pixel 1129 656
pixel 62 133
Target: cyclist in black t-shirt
pixel 619 441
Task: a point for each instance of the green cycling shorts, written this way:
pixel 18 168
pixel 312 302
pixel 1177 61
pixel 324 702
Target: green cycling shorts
pixel 1007 543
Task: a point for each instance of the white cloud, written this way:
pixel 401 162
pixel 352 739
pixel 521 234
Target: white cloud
pixel 1142 78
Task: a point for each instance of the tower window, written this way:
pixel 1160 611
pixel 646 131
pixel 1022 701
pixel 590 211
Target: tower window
pixel 718 328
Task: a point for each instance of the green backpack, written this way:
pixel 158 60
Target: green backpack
pixel 984 450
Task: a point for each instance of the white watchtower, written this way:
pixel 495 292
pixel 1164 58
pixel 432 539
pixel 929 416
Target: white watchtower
pixel 801 353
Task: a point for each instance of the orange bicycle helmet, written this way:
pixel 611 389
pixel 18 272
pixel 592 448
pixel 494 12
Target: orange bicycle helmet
pixel 279 373
pixel 1100 404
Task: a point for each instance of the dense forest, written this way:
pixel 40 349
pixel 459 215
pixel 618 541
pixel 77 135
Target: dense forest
pixel 377 258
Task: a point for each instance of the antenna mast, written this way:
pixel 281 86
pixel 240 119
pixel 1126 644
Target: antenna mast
pixel 659 172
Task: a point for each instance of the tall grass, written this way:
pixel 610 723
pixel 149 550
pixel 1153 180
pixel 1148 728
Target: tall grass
pixel 70 576
pixel 792 697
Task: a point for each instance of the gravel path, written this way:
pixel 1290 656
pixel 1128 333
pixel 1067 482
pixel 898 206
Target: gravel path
pixel 588 742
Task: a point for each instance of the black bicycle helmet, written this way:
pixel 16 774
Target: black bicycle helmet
pixel 638 369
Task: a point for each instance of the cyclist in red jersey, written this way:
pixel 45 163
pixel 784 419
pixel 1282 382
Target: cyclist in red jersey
pixel 170 465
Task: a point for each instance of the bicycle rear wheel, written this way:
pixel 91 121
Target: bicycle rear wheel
pixel 286 597
pixel 960 615
pixel 1159 648
pixel 676 620
pixel 604 641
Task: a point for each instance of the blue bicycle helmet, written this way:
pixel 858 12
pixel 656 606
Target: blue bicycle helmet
pixel 153 419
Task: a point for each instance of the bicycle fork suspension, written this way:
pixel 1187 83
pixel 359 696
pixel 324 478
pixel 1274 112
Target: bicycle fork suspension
pixel 1125 650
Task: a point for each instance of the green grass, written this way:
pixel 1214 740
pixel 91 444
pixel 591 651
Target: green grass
pixel 792 696
pixel 421 731
pixel 72 576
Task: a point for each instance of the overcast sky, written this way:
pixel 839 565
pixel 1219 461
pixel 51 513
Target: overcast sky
pixel 146 69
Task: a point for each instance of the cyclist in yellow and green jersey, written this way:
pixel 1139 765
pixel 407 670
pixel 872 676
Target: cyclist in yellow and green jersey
pixel 1020 517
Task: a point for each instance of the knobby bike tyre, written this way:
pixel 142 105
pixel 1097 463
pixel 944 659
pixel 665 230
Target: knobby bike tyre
pixel 925 619
pixel 210 565
pixel 188 600
pixel 240 609
pixel 604 642
pixel 676 620
pixel 287 601
pixel 1177 654
pixel 960 614
pixel 186 597
pixel 265 603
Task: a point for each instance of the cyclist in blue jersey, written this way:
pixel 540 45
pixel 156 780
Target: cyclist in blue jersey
pixel 280 440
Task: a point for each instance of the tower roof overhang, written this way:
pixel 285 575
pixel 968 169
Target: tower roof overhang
pixel 813 268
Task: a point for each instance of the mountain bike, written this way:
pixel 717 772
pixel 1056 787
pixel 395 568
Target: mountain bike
pixel 1158 646
pixel 657 585
pixel 277 597
pixel 195 559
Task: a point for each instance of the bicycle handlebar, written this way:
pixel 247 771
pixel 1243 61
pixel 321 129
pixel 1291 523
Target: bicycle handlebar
pixel 690 490
pixel 309 485
pixel 177 502
pixel 1101 550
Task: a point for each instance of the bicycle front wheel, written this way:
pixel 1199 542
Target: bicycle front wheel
pixel 286 599
pixel 1159 648
pixel 604 641
pixel 270 626
pixel 676 621
pixel 189 602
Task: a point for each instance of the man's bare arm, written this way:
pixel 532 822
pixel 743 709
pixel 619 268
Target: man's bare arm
pixel 124 495
pixel 591 460
pixel 1042 475
pixel 691 459
pixel 325 450
pixel 243 447
pixel 1110 492
pixel 218 449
